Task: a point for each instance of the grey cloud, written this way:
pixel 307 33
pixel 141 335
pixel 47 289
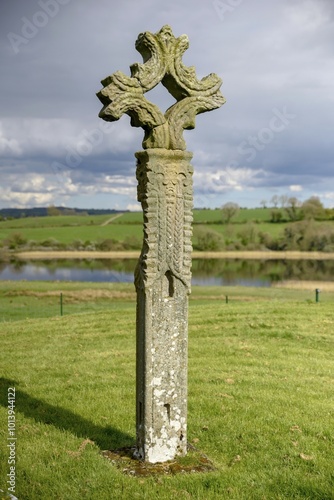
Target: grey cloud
pixel 269 54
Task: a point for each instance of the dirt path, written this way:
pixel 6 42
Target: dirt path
pixel 106 222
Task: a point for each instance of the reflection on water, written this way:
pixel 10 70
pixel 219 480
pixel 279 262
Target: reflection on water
pixel 70 270
pixel 205 272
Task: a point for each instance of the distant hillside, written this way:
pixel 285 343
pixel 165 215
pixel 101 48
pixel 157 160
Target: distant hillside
pixel 17 213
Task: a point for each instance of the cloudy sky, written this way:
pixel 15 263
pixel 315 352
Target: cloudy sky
pixel 274 135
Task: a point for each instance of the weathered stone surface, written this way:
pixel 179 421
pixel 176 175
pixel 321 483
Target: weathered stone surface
pixel 162 54
pixel 163 273
pixel 162 281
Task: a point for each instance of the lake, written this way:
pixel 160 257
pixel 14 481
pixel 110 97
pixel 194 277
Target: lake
pixel 217 272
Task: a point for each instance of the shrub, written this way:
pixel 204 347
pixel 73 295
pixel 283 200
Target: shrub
pixel 132 243
pixel 78 245
pixel 15 240
pixel 267 241
pixel 234 245
pixel 248 236
pixel 276 216
pixel 108 245
pixel 207 240
pixel 50 243
pixel 309 236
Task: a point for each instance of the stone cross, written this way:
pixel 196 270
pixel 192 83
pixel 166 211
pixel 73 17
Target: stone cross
pixel 163 273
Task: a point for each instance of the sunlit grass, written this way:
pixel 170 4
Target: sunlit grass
pixel 260 398
pixel 68 234
pixel 250 229
pixel 56 221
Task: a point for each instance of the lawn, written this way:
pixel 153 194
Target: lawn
pixel 260 394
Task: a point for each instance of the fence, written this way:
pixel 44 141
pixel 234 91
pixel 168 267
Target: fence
pixel 15 307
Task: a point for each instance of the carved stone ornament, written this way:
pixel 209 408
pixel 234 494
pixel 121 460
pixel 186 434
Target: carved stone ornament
pixel 162 55
pixel 163 272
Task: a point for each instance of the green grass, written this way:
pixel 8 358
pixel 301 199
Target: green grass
pixel 232 230
pixel 68 234
pixel 260 397
pixel 38 299
pixel 127 229
pixel 130 218
pixel 202 216
pixel 56 221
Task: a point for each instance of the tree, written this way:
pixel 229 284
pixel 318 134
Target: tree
pixel 229 210
pixel 207 240
pixel 276 215
pixel 52 210
pixel 284 200
pixel 313 208
pixel 264 203
pixel 292 208
pixel 274 200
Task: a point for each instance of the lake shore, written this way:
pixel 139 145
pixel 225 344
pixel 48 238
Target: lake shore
pixel 255 255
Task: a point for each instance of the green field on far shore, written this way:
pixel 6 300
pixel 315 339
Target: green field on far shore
pixel 250 229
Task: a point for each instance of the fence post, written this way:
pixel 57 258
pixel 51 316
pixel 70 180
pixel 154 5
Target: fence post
pixel 317 291
pixel 61 303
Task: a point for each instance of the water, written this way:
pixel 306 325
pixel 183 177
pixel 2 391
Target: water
pixel 215 272
pixel 33 272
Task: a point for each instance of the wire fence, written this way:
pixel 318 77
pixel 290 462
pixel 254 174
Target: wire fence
pixel 17 307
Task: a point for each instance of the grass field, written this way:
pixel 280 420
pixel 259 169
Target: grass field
pixel 260 394
pixel 251 229
pixel 55 221
pixel 91 229
pixel 233 230
pixel 200 216
pixel 68 234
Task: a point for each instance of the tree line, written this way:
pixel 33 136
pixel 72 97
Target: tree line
pixel 285 208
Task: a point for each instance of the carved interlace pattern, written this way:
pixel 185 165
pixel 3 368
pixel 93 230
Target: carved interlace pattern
pixel 162 55
pixel 165 192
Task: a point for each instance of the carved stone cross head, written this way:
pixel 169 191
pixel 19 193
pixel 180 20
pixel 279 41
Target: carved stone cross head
pixel 162 55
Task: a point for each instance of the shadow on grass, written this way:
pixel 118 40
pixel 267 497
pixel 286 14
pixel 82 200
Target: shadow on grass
pixel 106 438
